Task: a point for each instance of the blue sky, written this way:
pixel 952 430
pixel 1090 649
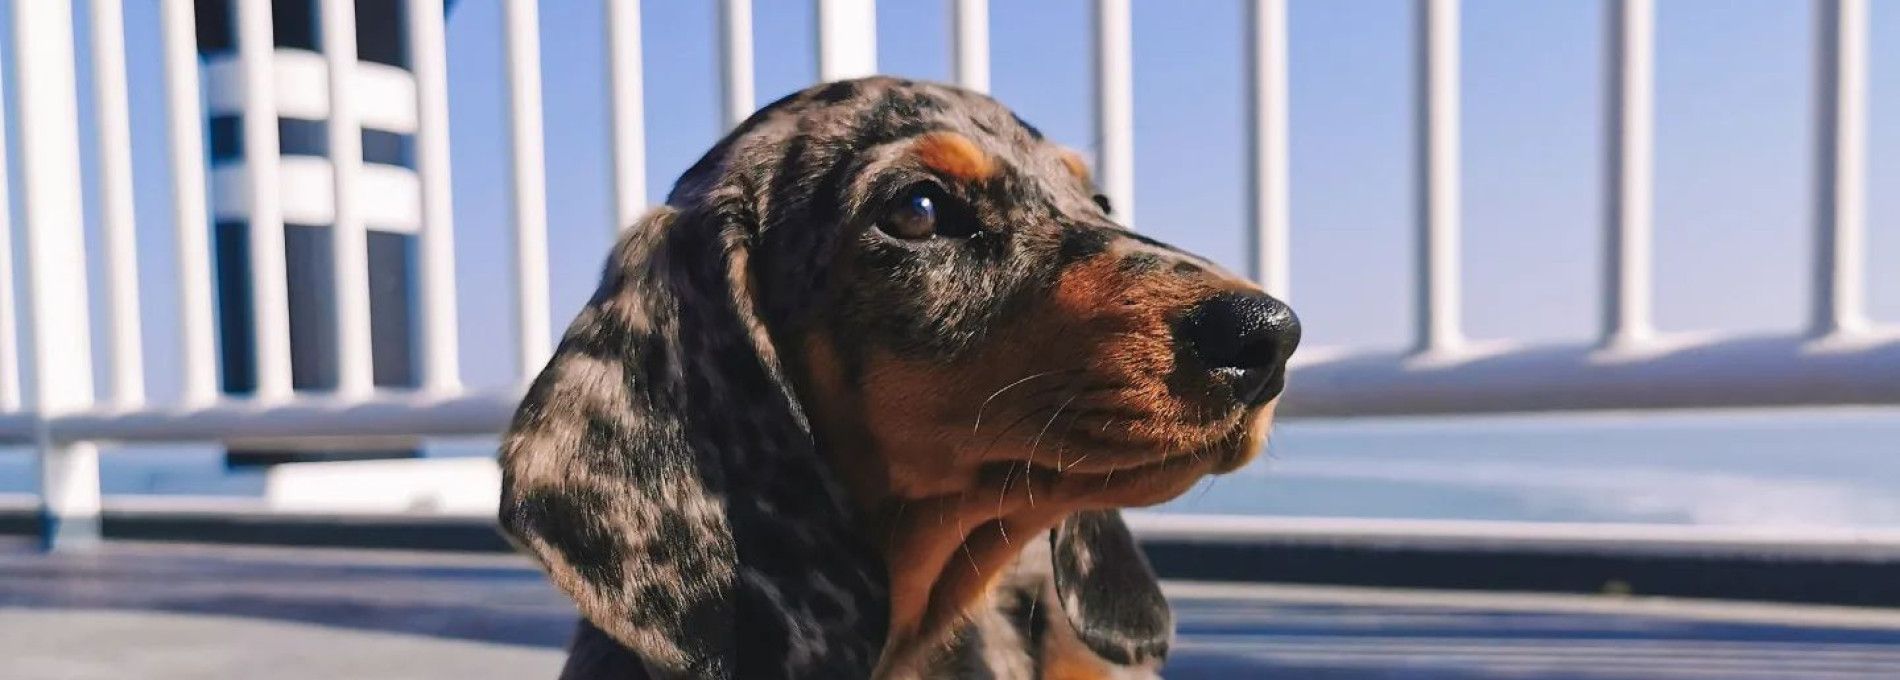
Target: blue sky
pixel 1733 109
pixel 1732 167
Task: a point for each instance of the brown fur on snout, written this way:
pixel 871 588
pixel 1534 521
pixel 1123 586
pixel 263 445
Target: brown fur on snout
pixel 1072 403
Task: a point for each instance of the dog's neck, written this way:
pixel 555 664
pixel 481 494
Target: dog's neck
pixel 945 535
pixel 944 551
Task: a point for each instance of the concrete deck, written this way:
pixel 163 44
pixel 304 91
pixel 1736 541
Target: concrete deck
pixel 164 611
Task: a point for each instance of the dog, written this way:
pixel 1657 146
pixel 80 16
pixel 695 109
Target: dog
pixel 862 399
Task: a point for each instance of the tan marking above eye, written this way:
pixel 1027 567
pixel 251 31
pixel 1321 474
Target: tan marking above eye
pixel 954 155
pixel 1076 165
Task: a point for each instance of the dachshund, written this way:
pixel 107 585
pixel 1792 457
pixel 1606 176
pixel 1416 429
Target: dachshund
pixel 862 399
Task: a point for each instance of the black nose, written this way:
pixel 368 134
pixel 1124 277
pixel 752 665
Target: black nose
pixel 1247 336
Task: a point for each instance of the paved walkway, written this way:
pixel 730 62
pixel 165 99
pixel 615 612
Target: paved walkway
pixel 104 644
pixel 186 611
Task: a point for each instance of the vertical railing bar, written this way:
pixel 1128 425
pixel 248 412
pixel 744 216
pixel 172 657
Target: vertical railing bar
pixel 847 39
pixel 441 372
pixel 115 203
pixel 185 130
pixel 1437 177
pixel 735 62
pixel 55 265
pixel 1115 106
pixel 269 285
pixel 348 236
pixel 972 44
pixel 529 182
pixel 627 88
pixel 9 320
pixel 1267 222
pixel 1627 186
pixel 1840 181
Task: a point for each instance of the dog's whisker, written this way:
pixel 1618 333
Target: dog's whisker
pixel 1009 474
pixel 999 435
pixel 1062 444
pixel 1032 607
pixel 961 529
pixel 1028 486
pixel 993 395
pixel 898 520
pixel 1052 390
pixel 1086 389
pixel 1003 496
pixel 1031 413
pixel 1206 487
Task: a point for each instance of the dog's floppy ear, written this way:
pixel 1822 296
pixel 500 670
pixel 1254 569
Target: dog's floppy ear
pixel 1108 591
pixel 663 473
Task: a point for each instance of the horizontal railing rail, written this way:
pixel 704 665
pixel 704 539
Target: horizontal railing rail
pixel 1842 359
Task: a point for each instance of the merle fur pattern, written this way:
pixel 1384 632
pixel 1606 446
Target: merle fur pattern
pixel 662 469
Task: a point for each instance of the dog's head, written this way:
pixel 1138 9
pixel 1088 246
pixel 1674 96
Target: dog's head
pixel 877 330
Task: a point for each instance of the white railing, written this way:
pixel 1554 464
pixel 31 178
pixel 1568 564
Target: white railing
pixel 1842 360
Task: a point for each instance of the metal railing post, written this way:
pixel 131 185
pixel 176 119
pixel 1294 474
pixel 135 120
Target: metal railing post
pixel 1840 177
pixel 847 39
pixel 735 63
pixel 1437 177
pixel 972 44
pixel 115 203
pixel 441 363
pixel 349 237
pixel 1267 223
pixel 1115 106
pixel 528 176
pixel 627 117
pixel 269 280
pixel 1627 185
pixel 184 121
pixel 50 203
pixel 9 313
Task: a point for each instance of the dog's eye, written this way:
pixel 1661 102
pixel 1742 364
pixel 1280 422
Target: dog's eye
pixel 912 216
pixel 920 213
pixel 1101 201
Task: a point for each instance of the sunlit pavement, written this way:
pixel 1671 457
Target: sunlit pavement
pixel 1254 631
pixel 189 611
